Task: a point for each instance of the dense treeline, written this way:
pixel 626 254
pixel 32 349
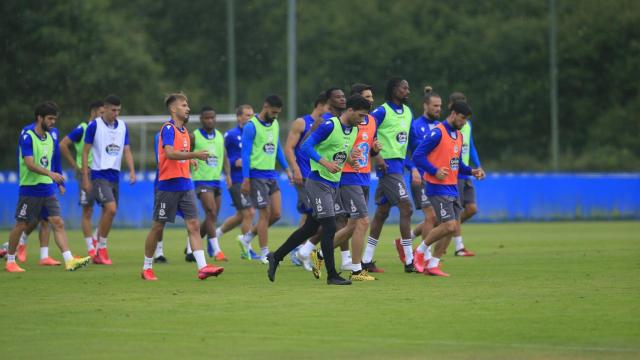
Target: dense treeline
pixel 497 52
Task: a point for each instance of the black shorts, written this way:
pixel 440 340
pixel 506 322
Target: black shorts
pixel 32 208
pixel 323 199
pixel 301 204
pixel 168 203
pixel 447 208
pixel 200 189
pixel 354 199
pixel 239 200
pixel 105 191
pixel 261 191
pixel 420 199
pixel 85 200
pixel 391 189
pixel 466 192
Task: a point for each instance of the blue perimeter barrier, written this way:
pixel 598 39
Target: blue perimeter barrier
pixel 501 197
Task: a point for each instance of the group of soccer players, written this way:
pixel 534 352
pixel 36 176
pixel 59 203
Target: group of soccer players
pixel 333 154
pixel 329 156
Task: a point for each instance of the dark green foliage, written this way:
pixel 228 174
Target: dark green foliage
pixel 496 52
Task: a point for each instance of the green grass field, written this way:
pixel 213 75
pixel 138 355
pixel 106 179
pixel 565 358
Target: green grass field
pixel 539 291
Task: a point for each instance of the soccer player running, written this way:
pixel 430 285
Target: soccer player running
pixel 336 105
pixel 329 148
pixel 37 194
pixel 86 201
pixel 260 148
pixel 107 138
pixel 354 189
pixel 206 176
pixel 439 155
pixel 466 190
pixel 158 255
pixel 244 211
pixel 420 128
pixel 393 120
pixel 299 163
pixel 175 188
pixel 43 234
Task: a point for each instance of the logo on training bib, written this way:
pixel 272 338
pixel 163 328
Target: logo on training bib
pixel 465 149
pixel 455 149
pixel 212 160
pixel 44 161
pixel 112 149
pixel 269 148
pixel 402 137
pixel 340 157
pixel 454 164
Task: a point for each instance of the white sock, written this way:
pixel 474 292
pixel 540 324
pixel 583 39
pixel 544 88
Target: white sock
pixel 67 255
pixel 159 250
pixel 200 260
pixel 459 244
pixel 219 232
pixel 427 254
pixel 11 258
pixel 102 244
pixel 306 249
pixel 23 239
pixel 216 246
pixel 408 250
pixel 148 263
pixel 265 251
pixel 95 234
pixel 433 262
pixel 89 241
pixel 246 238
pixel 370 249
pixel 356 267
pixel 413 236
pixel 189 251
pixel 44 252
pixel 346 257
pixel 422 248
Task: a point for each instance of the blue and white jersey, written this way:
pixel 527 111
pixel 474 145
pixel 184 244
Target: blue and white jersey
pixel 108 144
